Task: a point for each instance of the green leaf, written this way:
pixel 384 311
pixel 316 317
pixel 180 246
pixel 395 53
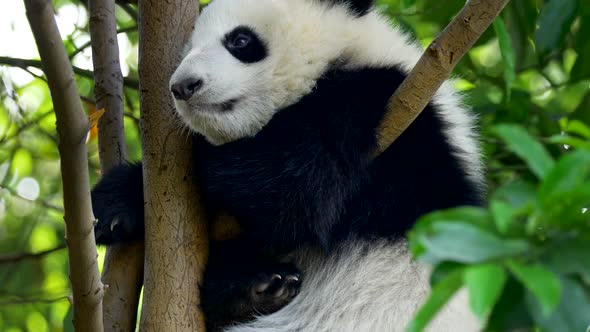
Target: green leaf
pixel 405 4
pixel 570 256
pixel 572 314
pixel 569 172
pixel 442 270
pixel 22 163
pixel 581 68
pixel 503 214
pixel 441 293
pixel 526 147
pixel 473 215
pixel 518 194
pixel 68 322
pixel 466 243
pixel 578 127
pixel 541 282
pixel 570 141
pixel 485 284
pixel 554 23
pixel 510 312
pixel 469 214
pixel 507 54
pixel 564 210
pixel 521 19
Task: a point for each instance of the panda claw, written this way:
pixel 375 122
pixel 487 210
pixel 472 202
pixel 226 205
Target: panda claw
pixel 275 290
pixel 116 221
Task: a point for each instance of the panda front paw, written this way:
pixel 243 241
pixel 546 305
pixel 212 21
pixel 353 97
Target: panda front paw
pixel 117 203
pixel 120 228
pixel 272 291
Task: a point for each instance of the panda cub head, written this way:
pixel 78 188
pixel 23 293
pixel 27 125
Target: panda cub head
pixel 248 59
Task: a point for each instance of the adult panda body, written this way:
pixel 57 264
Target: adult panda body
pixel 286 96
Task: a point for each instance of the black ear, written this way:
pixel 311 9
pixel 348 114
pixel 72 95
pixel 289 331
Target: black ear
pixel 358 7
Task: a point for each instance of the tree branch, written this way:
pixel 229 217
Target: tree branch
pixel 88 43
pixel 434 67
pixel 19 256
pixel 108 82
pixel 175 227
pixel 25 63
pixel 33 301
pixel 72 126
pixel 126 6
pixel 123 265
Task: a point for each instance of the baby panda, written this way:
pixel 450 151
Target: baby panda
pixel 284 98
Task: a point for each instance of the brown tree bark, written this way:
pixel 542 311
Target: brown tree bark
pixel 108 82
pixel 72 127
pixel 175 229
pixel 434 67
pixel 123 265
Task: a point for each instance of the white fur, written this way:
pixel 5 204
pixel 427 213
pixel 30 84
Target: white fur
pixel 372 287
pixel 363 286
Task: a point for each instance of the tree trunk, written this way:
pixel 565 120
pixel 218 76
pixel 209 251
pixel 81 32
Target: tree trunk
pixel 123 266
pixel 175 232
pixel 72 127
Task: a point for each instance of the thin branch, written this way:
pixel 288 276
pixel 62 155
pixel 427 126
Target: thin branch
pixel 42 202
pixel 123 266
pixel 434 67
pixel 20 256
pixel 72 127
pixel 126 6
pixel 24 126
pixel 108 82
pixel 88 43
pixel 25 63
pixel 33 301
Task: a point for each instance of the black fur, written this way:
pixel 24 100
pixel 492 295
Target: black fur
pixel 117 203
pixel 307 178
pixel 357 7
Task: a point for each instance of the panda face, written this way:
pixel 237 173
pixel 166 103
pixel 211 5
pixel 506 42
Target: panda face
pixel 248 59
pixel 222 88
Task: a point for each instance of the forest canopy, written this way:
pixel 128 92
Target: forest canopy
pixel 521 257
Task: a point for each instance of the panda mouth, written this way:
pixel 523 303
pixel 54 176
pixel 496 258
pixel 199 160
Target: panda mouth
pixel 226 106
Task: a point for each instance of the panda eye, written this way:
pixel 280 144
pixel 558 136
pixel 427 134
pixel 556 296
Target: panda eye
pixel 245 45
pixel 240 41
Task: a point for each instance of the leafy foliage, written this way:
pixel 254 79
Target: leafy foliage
pixel 524 258
pixel 535 233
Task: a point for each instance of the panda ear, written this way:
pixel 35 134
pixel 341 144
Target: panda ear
pixel 358 7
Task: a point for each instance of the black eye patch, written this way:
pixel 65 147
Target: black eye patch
pixel 245 45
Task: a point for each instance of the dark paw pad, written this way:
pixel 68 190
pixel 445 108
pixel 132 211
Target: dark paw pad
pixel 271 292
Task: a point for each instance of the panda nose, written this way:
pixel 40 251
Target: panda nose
pixel 184 89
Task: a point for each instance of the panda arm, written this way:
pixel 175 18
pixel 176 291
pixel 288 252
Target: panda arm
pixel 283 196
pixel 117 203
pixel 289 184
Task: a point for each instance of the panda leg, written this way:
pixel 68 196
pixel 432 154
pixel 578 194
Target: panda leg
pixel 241 283
pixel 117 203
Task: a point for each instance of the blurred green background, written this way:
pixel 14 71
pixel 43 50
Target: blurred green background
pixel 528 79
